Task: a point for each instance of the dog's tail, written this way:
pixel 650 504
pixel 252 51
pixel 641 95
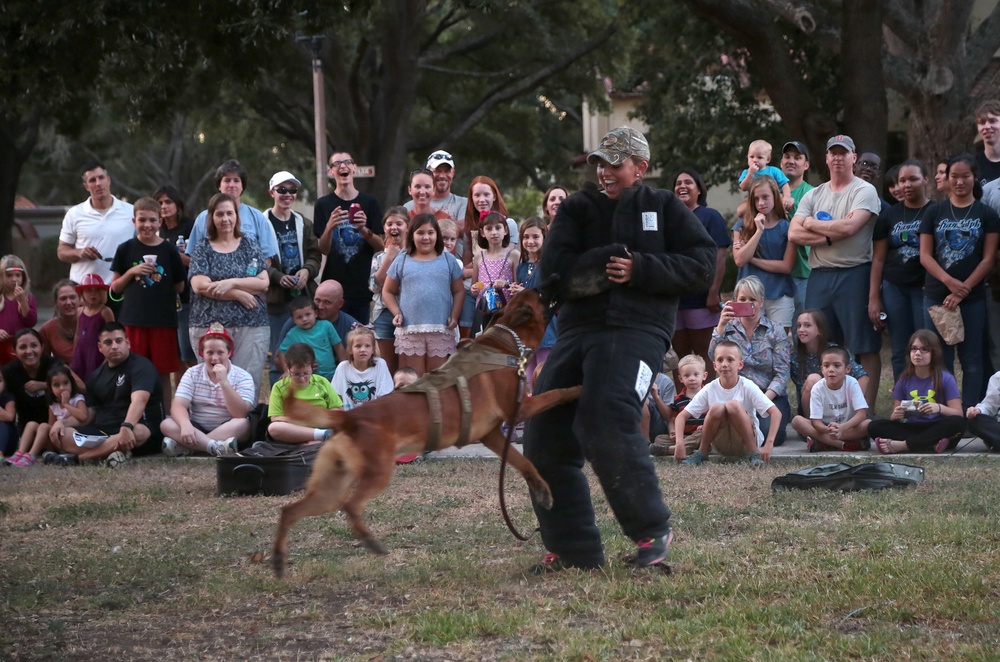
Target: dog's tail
pixel 305 413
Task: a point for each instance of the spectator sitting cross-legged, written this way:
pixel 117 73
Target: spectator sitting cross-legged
pixel 308 387
pixel 209 410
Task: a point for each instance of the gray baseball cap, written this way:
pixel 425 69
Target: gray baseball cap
pixel 841 140
pixel 620 143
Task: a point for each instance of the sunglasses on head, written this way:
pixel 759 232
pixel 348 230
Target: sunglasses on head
pixel 439 155
pixel 282 190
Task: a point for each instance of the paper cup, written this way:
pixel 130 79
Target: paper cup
pixel 149 259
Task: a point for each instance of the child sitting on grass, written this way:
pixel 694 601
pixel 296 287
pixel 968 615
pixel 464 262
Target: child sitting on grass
pixel 692 373
pixel 731 406
pixel 318 334
pixel 312 388
pixel 927 405
pixel 984 418
pixel 838 413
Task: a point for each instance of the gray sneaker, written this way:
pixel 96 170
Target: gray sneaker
pixel 223 447
pixel 171 448
pixel 116 459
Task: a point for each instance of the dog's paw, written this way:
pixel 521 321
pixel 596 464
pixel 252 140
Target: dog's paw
pixel 542 497
pixel 374 546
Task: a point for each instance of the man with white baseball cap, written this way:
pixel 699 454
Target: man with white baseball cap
pixel 442 165
pixel 292 273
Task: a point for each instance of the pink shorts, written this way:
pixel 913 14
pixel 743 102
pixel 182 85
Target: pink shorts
pixel 432 343
pixel 696 318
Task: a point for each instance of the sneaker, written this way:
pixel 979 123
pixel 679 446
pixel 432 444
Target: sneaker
pixel 658 450
pixel 13 460
pixel 25 460
pixel 171 448
pixel 694 459
pixel 116 459
pixel 942 445
pixel 222 447
pixel 652 551
pixel 60 459
pixel 811 445
pixel 550 563
pixel 756 461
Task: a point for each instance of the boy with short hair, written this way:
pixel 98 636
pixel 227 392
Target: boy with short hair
pixel 731 406
pixel 147 275
pixel 309 387
pixel 319 334
pixel 838 412
pixel 692 374
pixel 758 157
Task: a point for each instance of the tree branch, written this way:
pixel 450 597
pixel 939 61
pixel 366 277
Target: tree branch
pixel 985 41
pixel 507 93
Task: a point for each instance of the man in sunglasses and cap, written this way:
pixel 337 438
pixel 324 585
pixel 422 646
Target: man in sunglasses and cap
pixel 618 260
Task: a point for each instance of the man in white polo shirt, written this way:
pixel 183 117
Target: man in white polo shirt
pixel 92 230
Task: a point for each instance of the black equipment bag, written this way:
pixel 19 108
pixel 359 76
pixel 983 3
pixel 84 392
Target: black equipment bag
pixel 850 478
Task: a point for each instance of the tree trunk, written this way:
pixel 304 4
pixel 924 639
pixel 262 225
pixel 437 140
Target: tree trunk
pixel 866 109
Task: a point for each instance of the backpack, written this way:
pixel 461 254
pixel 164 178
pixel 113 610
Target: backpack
pixel 850 478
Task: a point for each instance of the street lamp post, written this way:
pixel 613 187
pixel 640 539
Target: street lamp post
pixel 319 112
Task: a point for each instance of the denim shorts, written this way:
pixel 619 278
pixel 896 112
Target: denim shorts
pixel 384 330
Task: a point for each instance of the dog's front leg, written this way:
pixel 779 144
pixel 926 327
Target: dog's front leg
pixel 494 440
pixel 539 403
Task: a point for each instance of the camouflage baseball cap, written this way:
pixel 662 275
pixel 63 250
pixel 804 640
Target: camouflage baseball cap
pixel 620 143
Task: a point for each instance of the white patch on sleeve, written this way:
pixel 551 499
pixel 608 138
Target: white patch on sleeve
pixel 649 221
pixel 642 379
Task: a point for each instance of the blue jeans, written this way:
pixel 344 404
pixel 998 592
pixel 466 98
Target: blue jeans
pixel 970 351
pixel 905 308
pixel 276 322
pixel 781 402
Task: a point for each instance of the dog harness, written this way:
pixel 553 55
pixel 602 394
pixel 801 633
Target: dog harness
pixel 471 359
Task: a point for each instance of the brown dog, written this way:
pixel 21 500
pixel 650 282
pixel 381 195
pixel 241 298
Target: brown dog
pixel 361 453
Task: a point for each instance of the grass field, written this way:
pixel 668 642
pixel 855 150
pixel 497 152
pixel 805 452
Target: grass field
pixel 145 563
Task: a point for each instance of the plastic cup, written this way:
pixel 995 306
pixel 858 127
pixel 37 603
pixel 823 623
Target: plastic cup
pixel 149 259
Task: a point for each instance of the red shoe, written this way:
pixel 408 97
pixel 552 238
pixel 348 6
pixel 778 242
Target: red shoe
pixel 409 459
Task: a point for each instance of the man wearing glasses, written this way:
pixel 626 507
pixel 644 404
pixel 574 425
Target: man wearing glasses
pixel 443 166
pixel 869 168
pixel 349 226
pixel 297 264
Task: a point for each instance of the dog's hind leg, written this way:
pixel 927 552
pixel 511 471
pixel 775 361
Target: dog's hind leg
pixel 371 483
pixel 494 440
pixel 332 476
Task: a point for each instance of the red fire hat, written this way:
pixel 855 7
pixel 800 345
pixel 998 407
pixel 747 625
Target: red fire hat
pixel 215 330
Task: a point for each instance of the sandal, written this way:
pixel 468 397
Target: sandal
pixel 884 446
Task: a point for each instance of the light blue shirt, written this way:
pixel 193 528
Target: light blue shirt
pixel 253 224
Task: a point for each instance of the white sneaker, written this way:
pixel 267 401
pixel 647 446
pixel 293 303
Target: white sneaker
pixel 116 459
pixel 171 448
pixel 223 447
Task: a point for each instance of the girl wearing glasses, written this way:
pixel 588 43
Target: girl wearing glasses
pixel 927 406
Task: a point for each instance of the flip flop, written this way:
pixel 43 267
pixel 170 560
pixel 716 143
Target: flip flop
pixel 884 446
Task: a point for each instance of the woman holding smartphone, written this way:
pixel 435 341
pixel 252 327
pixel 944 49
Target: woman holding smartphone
pixel 765 347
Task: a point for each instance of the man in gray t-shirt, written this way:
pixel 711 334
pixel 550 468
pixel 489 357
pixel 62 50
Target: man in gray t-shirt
pixel 836 220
